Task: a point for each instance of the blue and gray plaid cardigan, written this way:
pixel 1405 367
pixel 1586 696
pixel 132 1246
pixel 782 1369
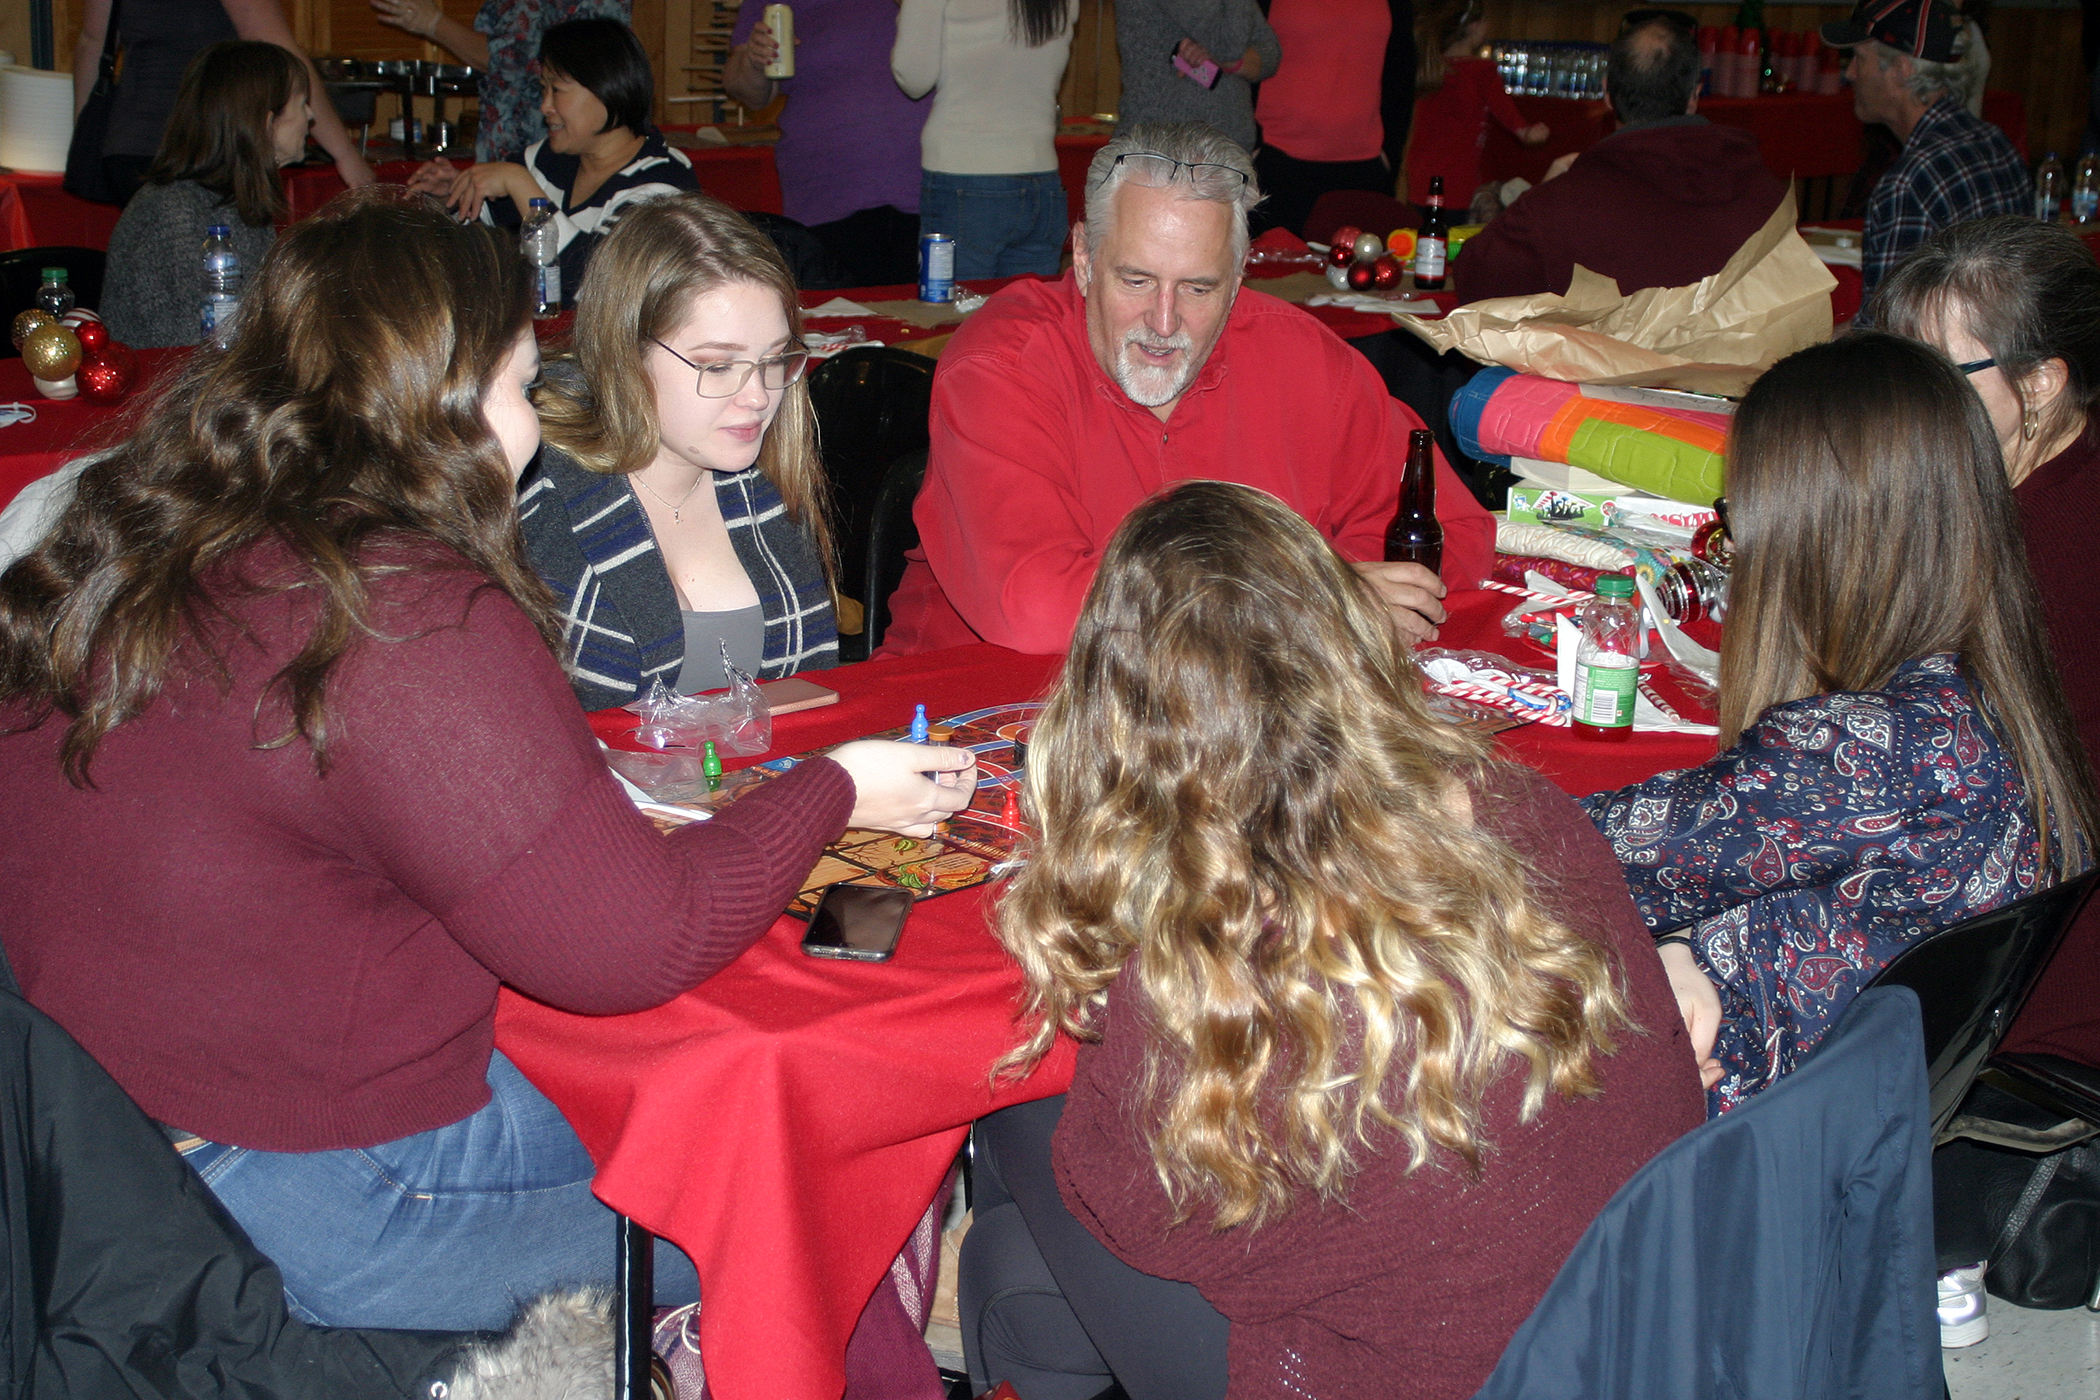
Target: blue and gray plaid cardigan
pixel 591 542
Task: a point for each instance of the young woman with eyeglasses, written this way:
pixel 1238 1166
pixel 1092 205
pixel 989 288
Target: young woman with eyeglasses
pixel 677 506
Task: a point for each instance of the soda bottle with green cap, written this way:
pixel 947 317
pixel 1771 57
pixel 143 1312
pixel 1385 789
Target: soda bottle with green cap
pixel 1607 664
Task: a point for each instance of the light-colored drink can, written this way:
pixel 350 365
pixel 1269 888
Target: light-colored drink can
pixel 781 20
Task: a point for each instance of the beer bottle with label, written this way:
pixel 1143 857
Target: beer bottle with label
pixel 1416 536
pixel 1431 240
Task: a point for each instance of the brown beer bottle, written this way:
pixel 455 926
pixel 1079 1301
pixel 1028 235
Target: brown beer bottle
pixel 1432 240
pixel 1416 536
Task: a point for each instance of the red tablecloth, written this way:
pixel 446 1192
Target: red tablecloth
pixel 1802 135
pixel 62 430
pixel 45 216
pixel 787 1122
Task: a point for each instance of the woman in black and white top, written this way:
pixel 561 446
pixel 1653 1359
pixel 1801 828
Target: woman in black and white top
pixel 677 507
pixel 601 154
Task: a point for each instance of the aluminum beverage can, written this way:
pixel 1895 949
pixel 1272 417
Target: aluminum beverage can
pixel 781 20
pixel 936 267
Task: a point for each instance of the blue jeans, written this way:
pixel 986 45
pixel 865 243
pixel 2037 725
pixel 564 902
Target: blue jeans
pixel 1003 225
pixel 448 1230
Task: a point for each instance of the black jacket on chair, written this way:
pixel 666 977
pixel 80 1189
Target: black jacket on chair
pixel 1785 1249
pixel 126 1277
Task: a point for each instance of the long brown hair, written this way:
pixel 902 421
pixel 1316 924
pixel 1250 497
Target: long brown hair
pixel 1249 813
pixel 1436 29
pixel 1873 525
pixel 2029 291
pixel 641 285
pixel 219 132
pixel 347 412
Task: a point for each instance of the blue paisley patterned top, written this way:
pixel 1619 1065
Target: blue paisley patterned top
pixel 1834 833
pixel 510 89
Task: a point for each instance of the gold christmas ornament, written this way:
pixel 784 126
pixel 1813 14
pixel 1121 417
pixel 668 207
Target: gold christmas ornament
pixel 29 320
pixel 51 352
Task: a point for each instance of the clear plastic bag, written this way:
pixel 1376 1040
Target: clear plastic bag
pixel 737 721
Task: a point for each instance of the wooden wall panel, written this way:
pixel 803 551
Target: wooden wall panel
pixel 1093 80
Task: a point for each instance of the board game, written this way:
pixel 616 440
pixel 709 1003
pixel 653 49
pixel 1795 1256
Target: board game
pixel 972 847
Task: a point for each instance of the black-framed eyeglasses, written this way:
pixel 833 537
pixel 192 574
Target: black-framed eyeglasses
pixel 1975 365
pixel 1156 167
pixel 1721 514
pixel 719 379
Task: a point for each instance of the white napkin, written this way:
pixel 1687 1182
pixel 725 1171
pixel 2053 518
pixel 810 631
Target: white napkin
pixel 1695 658
pixel 839 306
pixel 1357 301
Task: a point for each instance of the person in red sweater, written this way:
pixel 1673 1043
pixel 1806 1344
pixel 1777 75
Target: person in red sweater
pixel 1460 93
pixel 1350 1067
pixel 295 781
pixel 2016 304
pixel 1060 405
pixel 1662 202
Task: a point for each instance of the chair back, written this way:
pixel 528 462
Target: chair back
pixel 891 531
pixel 22 271
pixel 1972 979
pixel 871 404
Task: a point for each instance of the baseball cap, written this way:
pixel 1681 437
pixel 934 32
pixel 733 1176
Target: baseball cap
pixel 1921 28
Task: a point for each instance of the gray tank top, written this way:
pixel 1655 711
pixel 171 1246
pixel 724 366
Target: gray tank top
pixel 744 629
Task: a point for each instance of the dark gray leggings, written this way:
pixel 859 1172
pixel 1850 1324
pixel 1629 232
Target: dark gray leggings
pixel 1046 1306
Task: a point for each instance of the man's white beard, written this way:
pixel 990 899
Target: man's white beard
pixel 1148 384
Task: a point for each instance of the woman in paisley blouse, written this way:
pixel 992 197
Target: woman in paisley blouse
pixel 1896 753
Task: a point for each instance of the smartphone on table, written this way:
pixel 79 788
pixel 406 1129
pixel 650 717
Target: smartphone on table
pixel 858 922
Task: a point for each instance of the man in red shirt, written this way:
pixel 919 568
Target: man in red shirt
pixel 1061 405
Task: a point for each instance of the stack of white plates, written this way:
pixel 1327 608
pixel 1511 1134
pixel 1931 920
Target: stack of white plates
pixel 36 118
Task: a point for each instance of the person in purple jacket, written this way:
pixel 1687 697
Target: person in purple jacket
pixel 849 140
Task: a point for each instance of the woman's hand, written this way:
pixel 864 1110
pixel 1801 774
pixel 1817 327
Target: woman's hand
pixel 1698 1003
pixel 1192 53
pixel 891 789
pixel 415 16
pixel 434 177
pixel 763 44
pixel 478 184
pixel 1536 134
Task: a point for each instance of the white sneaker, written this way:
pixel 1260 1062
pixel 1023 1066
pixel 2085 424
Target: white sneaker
pixel 1963 1322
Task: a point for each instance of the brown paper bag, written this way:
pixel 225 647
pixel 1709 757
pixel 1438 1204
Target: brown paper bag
pixel 1712 337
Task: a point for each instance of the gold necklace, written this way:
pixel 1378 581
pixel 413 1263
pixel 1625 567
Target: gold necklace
pixel 679 504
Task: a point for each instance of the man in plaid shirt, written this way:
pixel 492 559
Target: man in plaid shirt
pixel 1954 165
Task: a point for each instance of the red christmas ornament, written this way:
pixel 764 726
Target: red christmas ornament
pixel 1362 277
pixel 1339 255
pixel 93 335
pixel 1345 236
pixel 1385 274
pixel 105 378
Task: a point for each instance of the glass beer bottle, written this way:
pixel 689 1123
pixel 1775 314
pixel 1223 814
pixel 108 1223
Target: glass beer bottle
pixel 1416 536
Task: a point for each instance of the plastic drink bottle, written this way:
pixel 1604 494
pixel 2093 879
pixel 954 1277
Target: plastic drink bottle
pixel 222 286
pixel 2049 190
pixel 541 241
pixel 2085 190
pixel 55 295
pixel 1607 665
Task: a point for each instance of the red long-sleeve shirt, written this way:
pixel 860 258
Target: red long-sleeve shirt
pixel 292 962
pixel 1037 456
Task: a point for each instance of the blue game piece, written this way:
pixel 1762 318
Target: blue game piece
pixel 918 725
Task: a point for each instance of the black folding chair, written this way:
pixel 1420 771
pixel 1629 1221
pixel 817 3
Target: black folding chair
pixel 890 533
pixel 871 404
pixel 1971 981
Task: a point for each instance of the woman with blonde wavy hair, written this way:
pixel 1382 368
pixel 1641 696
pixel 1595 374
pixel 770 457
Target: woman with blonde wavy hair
pixel 1371 1029
pixel 677 507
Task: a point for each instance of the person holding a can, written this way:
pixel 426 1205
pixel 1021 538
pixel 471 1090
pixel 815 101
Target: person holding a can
pixel 848 155
pixel 1059 406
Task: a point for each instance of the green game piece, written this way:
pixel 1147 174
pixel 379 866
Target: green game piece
pixel 711 764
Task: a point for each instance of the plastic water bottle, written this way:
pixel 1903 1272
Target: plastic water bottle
pixel 55 295
pixel 2085 189
pixel 2049 190
pixel 222 286
pixel 1607 664
pixel 541 240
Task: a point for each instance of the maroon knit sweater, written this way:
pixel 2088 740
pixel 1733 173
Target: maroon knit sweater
pixel 291 962
pixel 2058 502
pixel 1416 1284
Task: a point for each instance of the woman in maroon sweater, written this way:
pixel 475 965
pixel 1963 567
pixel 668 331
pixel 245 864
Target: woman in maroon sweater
pixel 1374 1030
pixel 294 781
